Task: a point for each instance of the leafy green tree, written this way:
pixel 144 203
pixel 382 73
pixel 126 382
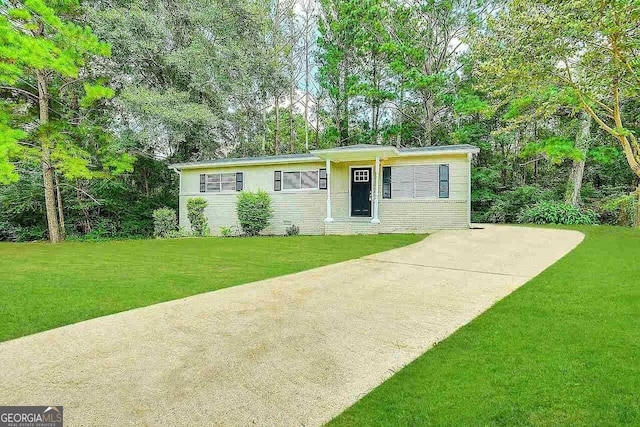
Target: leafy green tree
pixel 195 77
pixel 584 54
pixel 43 53
pixel 338 27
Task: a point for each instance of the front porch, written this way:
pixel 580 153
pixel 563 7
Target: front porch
pixel 353 176
pixel 351 226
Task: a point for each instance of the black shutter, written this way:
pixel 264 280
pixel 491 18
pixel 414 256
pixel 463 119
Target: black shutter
pixel 444 181
pixel 277 181
pixel 386 182
pixel 239 181
pixel 323 179
pixel 203 183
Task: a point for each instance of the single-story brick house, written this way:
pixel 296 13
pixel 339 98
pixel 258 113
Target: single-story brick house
pixel 346 190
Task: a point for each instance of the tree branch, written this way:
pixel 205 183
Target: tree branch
pixel 22 91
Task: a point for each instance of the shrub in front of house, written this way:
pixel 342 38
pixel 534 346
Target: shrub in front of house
pixel 227 231
pixel 557 213
pixel 165 223
pixel 195 213
pixel 254 211
pixel 293 230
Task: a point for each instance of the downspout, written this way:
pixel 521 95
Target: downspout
pixel 179 172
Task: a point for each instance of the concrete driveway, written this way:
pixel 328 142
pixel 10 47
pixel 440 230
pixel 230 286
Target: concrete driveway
pixel 290 351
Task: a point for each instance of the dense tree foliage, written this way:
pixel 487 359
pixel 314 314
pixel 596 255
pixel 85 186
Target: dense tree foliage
pixel 97 97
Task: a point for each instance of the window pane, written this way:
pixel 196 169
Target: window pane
pixel 239 180
pixel 323 183
pixel 426 178
pixel 213 182
pixel 444 189
pixel 402 182
pixel 309 179
pixel 444 181
pixel 291 181
pixel 228 181
pixel 277 181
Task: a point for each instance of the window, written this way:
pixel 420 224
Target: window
pixel 402 182
pixel 386 182
pixel 301 180
pixel 361 175
pixel 218 182
pixel 277 181
pixel 239 181
pixel 444 182
pixel 426 181
pixel 323 179
pixel 416 182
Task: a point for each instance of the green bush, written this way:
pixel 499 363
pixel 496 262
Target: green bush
pixel 620 210
pixel 165 222
pixel 557 213
pixel 293 230
pixel 227 231
pixel 510 203
pixel 195 212
pixel 254 211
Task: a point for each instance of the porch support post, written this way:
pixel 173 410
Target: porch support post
pixel 329 218
pixel 376 219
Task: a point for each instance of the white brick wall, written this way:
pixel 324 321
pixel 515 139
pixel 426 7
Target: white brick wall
pixel 307 209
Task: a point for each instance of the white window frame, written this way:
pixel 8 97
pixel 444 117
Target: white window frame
pixel 362 175
pixel 220 190
pixel 298 190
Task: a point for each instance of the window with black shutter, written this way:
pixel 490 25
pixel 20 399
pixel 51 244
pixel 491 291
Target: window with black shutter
pixel 239 183
pixel 323 179
pixel 444 182
pixel 386 182
pixel 277 180
pixel 203 182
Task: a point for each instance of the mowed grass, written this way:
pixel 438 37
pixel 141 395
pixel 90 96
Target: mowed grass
pixel 43 286
pixel 562 350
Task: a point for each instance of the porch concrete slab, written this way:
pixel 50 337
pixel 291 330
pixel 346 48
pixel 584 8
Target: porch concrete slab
pixel 294 350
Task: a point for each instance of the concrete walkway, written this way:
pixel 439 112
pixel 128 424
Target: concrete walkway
pixel 290 351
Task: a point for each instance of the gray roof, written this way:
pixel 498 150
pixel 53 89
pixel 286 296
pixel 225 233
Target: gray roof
pixel 257 159
pixel 309 157
pixel 357 147
pixel 436 148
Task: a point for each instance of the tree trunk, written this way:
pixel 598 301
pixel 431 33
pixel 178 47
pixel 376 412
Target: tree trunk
pixel 306 85
pixel 344 114
pixel 63 231
pixel 317 135
pixel 292 130
pixel 583 137
pixel 428 117
pixel 636 220
pixel 276 130
pixel 264 129
pixel 47 169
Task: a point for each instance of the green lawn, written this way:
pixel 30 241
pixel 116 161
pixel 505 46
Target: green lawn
pixel 44 286
pixel 562 350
